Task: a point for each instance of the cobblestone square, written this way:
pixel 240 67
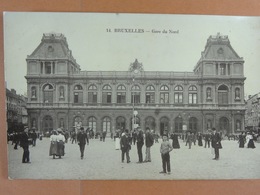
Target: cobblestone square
pixel 103 162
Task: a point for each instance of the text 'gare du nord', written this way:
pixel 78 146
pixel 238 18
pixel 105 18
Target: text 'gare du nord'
pixel 60 95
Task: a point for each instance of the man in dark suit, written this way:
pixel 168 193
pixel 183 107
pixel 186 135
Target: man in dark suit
pixel 82 139
pixel 216 143
pixel 24 143
pixel 125 146
pixel 140 143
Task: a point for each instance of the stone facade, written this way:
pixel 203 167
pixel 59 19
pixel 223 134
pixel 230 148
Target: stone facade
pixel 61 95
pixel 252 116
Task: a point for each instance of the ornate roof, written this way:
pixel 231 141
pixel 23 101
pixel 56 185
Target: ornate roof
pixel 52 46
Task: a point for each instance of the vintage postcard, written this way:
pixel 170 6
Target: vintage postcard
pixel 105 96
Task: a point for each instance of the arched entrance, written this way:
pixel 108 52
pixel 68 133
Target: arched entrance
pixel 164 126
pixel 120 122
pixel 47 124
pixel 178 121
pixel 150 122
pixel 193 124
pixel 224 125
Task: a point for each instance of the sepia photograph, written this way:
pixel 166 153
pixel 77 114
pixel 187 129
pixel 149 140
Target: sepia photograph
pixel 106 96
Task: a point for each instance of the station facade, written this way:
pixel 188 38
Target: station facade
pixel 61 95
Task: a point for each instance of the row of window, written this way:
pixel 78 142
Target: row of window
pixel 135 94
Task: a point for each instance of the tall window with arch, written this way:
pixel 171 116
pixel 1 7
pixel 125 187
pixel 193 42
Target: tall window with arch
pixel 164 94
pixel 237 93
pixel 92 123
pixel 92 94
pixel 223 95
pixel 106 124
pixel 136 93
pixel 178 94
pixel 107 94
pixel 193 95
pixel 33 93
pixel 48 93
pixel 78 94
pixel 121 94
pixel 150 94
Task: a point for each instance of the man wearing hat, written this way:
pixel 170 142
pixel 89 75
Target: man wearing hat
pixel 82 139
pixel 24 143
pixel 216 143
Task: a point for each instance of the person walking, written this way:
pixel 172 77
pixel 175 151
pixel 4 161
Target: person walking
pixel 24 143
pixel 34 138
pixel 60 144
pixel 125 146
pixel 216 143
pixel 250 140
pixel 200 139
pixel 140 143
pixel 207 140
pixel 189 139
pixel 165 150
pixel 54 144
pixel 82 139
pixel 148 143
pixel 134 135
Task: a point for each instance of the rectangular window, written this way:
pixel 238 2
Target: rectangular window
pixel 106 97
pixel 92 97
pixel 192 98
pixel 222 69
pixel 178 98
pixel 78 97
pixel 223 98
pixel 47 68
pixel 135 97
pixel 164 98
pixel 121 97
pixel 149 98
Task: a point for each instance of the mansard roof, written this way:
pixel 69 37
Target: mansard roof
pixel 52 46
pixel 218 48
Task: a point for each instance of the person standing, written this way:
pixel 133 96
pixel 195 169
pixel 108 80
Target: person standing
pixel 60 144
pixel 34 137
pixel 134 135
pixel 250 140
pixel 82 139
pixel 53 146
pixel 148 143
pixel 24 143
pixel 241 140
pixel 207 140
pixel 189 139
pixel 200 139
pixel 165 150
pixel 175 141
pixel 140 143
pixel 104 134
pixel 117 141
pixel 125 146
pixel 216 143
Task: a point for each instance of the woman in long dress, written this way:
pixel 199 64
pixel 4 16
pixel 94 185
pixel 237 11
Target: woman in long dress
pixel 53 146
pixel 241 140
pixel 175 141
pixel 200 140
pixel 117 141
pixel 60 143
pixel 250 141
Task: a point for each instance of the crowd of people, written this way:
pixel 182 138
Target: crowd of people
pixel 125 140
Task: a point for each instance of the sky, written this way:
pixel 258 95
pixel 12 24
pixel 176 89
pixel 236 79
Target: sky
pixel 96 49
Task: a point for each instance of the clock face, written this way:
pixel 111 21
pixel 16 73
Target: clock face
pixel 136 71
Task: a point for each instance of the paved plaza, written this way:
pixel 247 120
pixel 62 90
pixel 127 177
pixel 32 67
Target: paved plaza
pixel 102 161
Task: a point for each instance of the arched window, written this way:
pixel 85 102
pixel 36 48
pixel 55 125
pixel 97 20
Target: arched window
pixel 150 94
pixel 92 123
pixel 135 94
pixel 150 122
pixel 223 95
pixel 164 125
pixel 47 124
pixel 120 123
pixel 209 93
pixel 178 121
pixel 92 94
pixel 78 94
pixel 178 94
pixel 193 95
pixel 193 124
pixel 164 94
pixel 106 124
pixel 33 93
pixel 107 94
pixel 48 93
pixel 237 93
pixel 224 125
pixel 121 94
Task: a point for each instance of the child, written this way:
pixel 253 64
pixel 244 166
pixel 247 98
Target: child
pixel 166 148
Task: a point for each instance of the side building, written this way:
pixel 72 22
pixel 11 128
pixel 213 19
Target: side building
pixel 252 116
pixel 60 95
